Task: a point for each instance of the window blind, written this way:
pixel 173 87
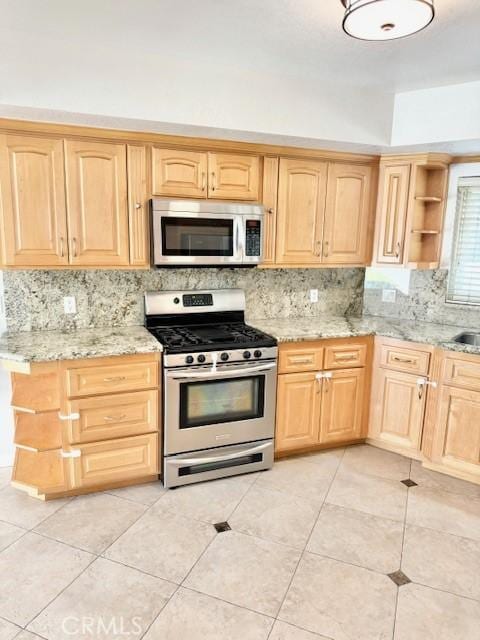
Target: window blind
pixel 464 278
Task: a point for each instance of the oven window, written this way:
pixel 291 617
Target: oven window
pixel 197 237
pixel 215 401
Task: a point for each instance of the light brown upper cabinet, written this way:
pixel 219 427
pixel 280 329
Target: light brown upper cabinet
pixel 96 186
pixel 179 173
pixel 324 213
pixel 301 207
pixel 347 214
pixel 192 174
pixel 34 224
pixel 270 190
pixel 410 210
pixel 138 205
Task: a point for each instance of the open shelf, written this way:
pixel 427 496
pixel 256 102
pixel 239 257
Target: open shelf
pixel 35 393
pixel 38 431
pixel 43 472
pixel 429 198
pixel 426 231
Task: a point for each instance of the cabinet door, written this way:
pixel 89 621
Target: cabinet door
pixel 394 182
pixel 269 199
pixel 347 214
pixel 456 441
pixel 138 206
pixel 96 179
pixel 301 206
pixel 233 177
pixel 398 407
pixel 179 173
pixel 342 406
pixel 298 411
pixel 32 192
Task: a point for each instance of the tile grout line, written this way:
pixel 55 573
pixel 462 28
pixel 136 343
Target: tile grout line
pixel 306 543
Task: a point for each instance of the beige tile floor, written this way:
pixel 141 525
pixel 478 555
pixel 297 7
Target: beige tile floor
pixel 311 544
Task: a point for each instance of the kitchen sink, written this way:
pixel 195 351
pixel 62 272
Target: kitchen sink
pixel 468 338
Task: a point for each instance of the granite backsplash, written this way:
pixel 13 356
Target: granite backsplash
pixel 33 299
pixel 421 297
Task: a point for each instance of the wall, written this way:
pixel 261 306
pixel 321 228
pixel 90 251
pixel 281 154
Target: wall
pixel 34 298
pixel 422 298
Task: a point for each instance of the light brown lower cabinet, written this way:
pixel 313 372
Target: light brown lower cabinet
pixel 342 406
pixel 298 411
pixel 397 411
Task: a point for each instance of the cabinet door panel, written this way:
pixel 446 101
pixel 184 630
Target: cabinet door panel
pixel 342 406
pixel 32 193
pixel 269 199
pixel 398 407
pixel 97 203
pixel 233 177
pixel 179 173
pixel 457 436
pixel 394 182
pixel 347 214
pixel 138 206
pixel 301 206
pixel 298 411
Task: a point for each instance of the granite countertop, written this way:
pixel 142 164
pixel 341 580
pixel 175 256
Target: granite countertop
pixel 43 346
pixel 297 329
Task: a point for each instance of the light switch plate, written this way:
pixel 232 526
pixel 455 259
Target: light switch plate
pixel 69 304
pixel 389 295
pixel 313 295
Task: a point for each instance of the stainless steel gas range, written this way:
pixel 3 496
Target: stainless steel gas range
pixel 219 385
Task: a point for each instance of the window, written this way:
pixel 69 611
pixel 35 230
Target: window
pixel 464 277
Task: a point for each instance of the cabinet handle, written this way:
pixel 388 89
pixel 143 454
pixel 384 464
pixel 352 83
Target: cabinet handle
pixel 403 360
pixel 138 205
pixel 115 418
pixel 300 360
pixel 318 250
pixel 115 379
pixel 74 453
pixel 62 247
pixel 325 249
pixel 204 180
pixel 346 358
pixel 398 249
pixel 270 210
pixel 70 416
pixel 214 181
pixel 74 247
pixel 420 387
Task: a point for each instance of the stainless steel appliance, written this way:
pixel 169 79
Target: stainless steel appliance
pixel 220 379
pixel 202 232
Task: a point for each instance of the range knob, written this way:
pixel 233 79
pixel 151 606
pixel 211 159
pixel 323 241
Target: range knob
pixel 201 358
pixel 247 355
pixel 189 359
pixel 257 354
pixel 224 357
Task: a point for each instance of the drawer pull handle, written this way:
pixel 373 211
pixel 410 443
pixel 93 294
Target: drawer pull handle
pixel 115 418
pixel 71 416
pixel 115 379
pixel 403 360
pixel 298 360
pixel 348 357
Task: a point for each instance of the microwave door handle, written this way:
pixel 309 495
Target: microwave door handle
pixel 238 229
pixel 222 374
pixel 229 456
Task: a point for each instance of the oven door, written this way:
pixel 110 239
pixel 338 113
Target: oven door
pixel 197 238
pixel 207 408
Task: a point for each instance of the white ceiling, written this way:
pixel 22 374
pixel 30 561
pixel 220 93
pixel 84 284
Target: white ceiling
pixel 298 37
pixel 285 65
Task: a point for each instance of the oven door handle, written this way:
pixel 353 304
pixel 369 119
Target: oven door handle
pixel 180 462
pixel 220 373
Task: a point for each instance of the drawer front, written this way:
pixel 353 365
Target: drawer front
pixel 404 359
pixel 117 416
pixel 298 359
pixel 345 356
pixel 103 463
pixel 90 381
pixel 462 373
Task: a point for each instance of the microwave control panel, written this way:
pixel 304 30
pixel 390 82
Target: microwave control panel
pixel 253 238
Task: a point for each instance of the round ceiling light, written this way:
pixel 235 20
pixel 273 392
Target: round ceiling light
pixel 386 19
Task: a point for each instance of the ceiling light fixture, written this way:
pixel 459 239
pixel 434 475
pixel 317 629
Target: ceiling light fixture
pixel 386 19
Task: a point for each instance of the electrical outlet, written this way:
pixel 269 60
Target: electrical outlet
pixel 313 295
pixel 69 304
pixel 389 295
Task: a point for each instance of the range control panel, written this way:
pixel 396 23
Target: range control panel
pixel 197 300
pixel 253 238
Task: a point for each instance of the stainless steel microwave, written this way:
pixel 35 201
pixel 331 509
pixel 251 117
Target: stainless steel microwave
pixel 203 232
